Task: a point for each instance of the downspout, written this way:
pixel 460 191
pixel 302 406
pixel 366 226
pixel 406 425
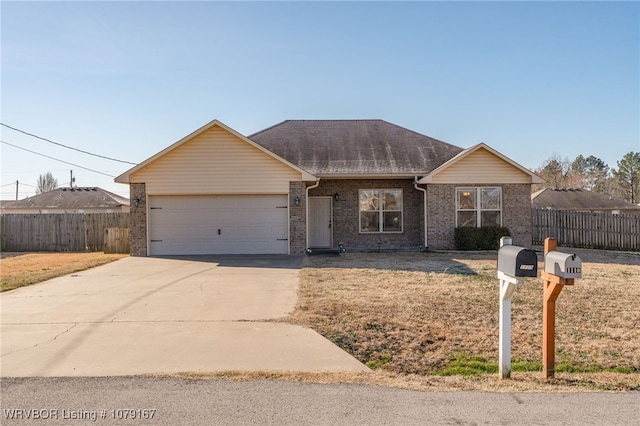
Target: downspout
pixel 306 202
pixel 424 198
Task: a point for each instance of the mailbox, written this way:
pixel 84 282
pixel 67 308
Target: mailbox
pixel 563 265
pixel 517 261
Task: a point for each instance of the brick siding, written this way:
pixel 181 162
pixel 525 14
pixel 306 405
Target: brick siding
pixel 297 218
pixel 138 220
pixel 441 216
pixel 345 224
pixel 441 213
pixel 516 212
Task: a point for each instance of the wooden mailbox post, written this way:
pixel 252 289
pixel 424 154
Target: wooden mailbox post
pixel 553 285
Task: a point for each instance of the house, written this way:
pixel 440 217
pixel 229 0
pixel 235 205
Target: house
pixel 580 200
pixel 69 200
pixel 319 184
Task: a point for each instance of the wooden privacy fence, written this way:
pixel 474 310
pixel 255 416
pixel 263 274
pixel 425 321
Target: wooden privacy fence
pixel 587 229
pixel 58 231
pixel 116 240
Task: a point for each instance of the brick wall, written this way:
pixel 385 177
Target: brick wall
pixel 297 218
pixel 138 220
pixel 516 212
pixel 346 213
pixel 441 213
pixel 441 216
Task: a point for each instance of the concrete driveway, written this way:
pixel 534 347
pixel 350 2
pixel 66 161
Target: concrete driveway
pixel 163 315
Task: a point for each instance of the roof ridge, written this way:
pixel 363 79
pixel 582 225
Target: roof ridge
pixel 298 120
pixel 354 120
pixel 268 128
pixel 422 134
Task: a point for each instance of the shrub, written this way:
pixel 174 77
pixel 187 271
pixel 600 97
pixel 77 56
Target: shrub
pixel 484 238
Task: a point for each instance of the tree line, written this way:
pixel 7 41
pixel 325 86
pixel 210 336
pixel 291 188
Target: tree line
pixel 593 174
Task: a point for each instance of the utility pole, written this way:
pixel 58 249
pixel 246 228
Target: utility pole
pixel 71 180
pixel 17 183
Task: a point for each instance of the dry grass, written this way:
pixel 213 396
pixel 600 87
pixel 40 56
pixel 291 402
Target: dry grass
pixel 21 269
pixel 519 382
pixel 415 314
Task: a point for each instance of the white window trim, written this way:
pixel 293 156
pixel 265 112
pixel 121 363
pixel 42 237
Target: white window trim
pixel 381 212
pixel 478 210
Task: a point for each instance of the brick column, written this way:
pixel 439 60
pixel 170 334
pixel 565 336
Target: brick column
pixel 138 219
pixel 297 218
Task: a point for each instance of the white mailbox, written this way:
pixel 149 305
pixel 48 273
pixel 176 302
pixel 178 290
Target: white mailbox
pixel 563 265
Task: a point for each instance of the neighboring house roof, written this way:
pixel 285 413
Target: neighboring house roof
pixel 354 147
pixel 69 198
pixel 485 165
pixel 126 176
pixel 577 199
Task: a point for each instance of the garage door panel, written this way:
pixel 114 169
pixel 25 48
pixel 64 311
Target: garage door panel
pixel 255 224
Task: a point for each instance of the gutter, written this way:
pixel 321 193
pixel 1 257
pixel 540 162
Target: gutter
pixel 424 198
pixel 306 201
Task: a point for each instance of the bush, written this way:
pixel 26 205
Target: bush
pixel 484 238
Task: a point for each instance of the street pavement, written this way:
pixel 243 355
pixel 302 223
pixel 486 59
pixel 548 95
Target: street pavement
pixel 180 401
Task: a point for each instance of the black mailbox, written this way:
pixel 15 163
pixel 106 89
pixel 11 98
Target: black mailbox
pixel 517 261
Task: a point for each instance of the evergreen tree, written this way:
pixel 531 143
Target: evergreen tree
pixel 628 175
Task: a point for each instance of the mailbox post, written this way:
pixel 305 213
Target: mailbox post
pixel 560 269
pixel 514 265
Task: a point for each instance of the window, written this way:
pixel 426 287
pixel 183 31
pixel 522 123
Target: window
pixel 380 210
pixel 479 206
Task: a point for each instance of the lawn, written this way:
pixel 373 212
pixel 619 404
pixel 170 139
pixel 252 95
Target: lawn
pixel 21 269
pixel 426 316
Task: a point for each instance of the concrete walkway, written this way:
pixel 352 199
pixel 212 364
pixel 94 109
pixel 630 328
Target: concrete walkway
pixel 163 315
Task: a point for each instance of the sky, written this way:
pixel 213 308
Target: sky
pixel 127 79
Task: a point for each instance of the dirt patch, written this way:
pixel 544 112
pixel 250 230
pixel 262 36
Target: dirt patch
pixel 20 269
pixel 417 314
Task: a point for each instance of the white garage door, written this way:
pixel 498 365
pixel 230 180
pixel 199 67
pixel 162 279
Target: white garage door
pixel 218 224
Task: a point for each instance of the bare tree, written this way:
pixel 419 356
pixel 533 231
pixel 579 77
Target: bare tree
pixel 556 171
pixel 46 183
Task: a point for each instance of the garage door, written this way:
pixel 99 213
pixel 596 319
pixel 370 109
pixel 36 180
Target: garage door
pixel 218 224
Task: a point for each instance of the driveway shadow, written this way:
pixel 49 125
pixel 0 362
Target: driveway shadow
pixel 446 263
pixel 271 261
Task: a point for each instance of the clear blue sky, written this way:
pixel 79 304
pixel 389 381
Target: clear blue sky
pixel 127 79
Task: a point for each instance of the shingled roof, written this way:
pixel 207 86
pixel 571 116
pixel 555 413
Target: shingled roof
pixel 70 198
pixel 579 200
pixel 354 147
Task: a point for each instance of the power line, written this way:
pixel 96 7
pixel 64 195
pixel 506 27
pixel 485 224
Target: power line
pixel 65 146
pixel 13 183
pixel 56 159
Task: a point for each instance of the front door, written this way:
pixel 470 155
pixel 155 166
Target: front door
pixel 320 222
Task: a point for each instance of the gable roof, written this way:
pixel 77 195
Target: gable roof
pixel 125 177
pixel 69 198
pixel 469 151
pixel 577 199
pixel 354 147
